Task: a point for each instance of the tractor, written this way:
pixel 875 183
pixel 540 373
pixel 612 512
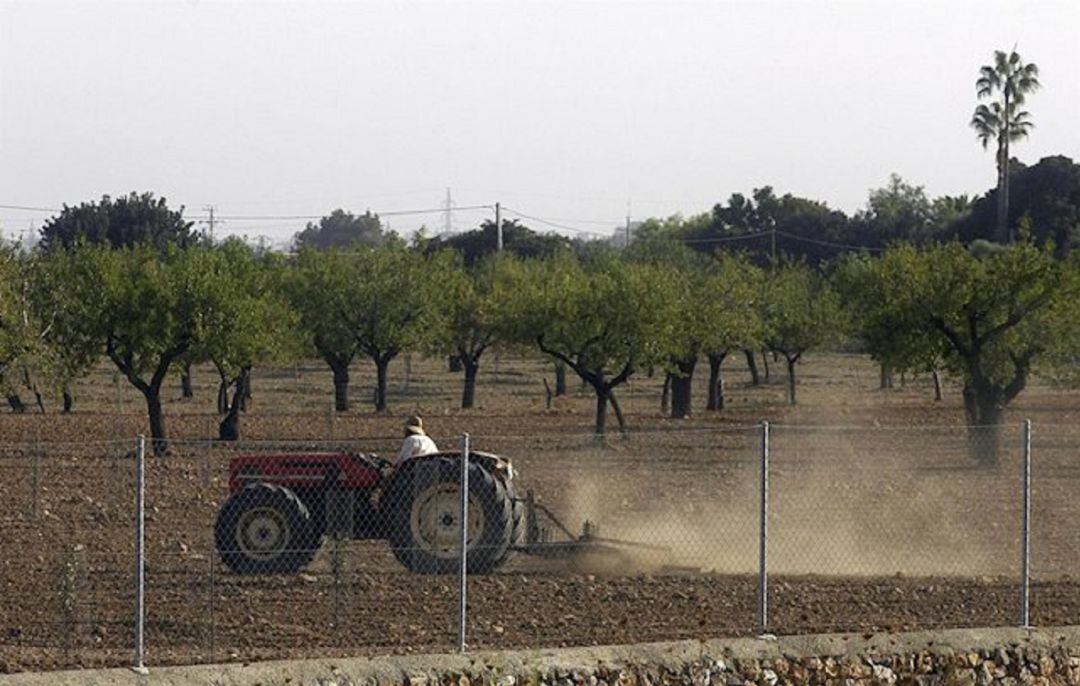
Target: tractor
pixel 281 506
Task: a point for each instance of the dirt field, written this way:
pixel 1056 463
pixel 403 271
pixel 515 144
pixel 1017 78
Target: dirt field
pixel 880 521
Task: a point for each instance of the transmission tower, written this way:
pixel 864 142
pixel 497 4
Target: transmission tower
pixel 448 213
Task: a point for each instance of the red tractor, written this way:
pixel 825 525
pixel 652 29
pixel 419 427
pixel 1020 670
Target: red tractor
pixel 282 505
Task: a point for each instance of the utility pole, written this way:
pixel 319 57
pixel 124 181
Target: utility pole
pixel 628 222
pixel 498 226
pixel 772 236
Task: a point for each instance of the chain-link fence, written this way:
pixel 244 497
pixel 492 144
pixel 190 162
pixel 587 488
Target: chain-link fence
pixel 283 549
pixel 67 554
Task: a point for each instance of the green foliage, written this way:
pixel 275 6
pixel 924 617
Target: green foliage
pixel 879 316
pixel 898 211
pixel 341 229
pixel 714 298
pixel 250 322
pixel 18 326
pixel 121 222
pixel 992 316
pixel 1046 193
pixel 605 321
pixel 518 240
pixel 800 311
pixel 145 307
pixel 384 300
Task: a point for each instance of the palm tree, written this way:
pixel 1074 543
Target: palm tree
pixel 1009 80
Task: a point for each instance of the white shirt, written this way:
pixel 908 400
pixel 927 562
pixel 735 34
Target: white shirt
pixel 415 445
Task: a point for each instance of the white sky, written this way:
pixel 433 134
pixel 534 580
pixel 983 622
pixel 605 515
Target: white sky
pixel 558 110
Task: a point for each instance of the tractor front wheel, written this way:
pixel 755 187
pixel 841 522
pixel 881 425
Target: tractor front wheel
pixel 265 529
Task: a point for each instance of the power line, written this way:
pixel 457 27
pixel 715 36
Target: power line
pixel 831 244
pixel 555 224
pixel 726 239
pixel 303 217
pixel 28 208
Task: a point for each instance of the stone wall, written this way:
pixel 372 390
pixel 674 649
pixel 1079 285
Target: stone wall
pixel 975 657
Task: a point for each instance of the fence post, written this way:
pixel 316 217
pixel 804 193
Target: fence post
pixel 763 539
pixel 1025 532
pixel 464 516
pixel 140 551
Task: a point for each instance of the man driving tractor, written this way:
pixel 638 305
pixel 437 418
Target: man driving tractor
pixel 417 442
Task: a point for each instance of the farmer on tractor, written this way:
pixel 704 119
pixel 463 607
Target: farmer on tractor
pixel 417 443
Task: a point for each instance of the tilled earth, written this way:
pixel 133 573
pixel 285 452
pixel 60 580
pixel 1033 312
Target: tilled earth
pixel 870 529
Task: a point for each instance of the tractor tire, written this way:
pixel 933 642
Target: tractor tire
pixel 265 529
pixel 424 506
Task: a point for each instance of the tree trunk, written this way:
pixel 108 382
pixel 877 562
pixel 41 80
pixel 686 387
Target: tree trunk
pixel 560 378
pixel 382 363
pixel 682 387
pixel 765 358
pixel 937 386
pixel 245 392
pixel 158 438
pixel 15 403
pixel 339 368
pixel 791 378
pixel 341 387
pixel 229 428
pixel 716 388
pixel 69 400
pixel 223 397
pixel 984 412
pixel 751 362
pixel 618 412
pixel 665 394
pixel 601 412
pixel 468 393
pixel 1002 233
pixel 453 363
pixel 186 390
pixel 886 376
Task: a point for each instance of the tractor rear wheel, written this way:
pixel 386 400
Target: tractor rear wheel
pixel 424 507
pixel 265 529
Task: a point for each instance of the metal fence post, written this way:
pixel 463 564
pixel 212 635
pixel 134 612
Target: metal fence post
pixel 464 517
pixel 140 551
pixel 1025 532
pixel 763 540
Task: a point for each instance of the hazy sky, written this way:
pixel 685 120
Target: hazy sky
pixel 558 110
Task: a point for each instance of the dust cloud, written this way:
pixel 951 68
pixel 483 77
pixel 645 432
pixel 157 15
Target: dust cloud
pixel 871 501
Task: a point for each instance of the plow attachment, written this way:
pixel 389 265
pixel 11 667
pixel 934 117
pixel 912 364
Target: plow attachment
pixel 546 536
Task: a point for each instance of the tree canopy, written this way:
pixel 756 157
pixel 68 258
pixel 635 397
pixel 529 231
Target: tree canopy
pixel 341 229
pixel 119 222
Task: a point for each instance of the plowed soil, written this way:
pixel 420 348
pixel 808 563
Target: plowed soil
pixel 880 518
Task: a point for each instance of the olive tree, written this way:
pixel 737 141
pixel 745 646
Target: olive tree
pixel 604 322
pixel 311 287
pixel 18 341
pixel 470 325
pixel 879 316
pixel 799 311
pixel 995 316
pixel 728 315
pixel 146 308
pixel 250 323
pixel 713 298
pixel 378 301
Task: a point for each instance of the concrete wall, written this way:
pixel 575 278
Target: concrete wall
pixel 975 657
